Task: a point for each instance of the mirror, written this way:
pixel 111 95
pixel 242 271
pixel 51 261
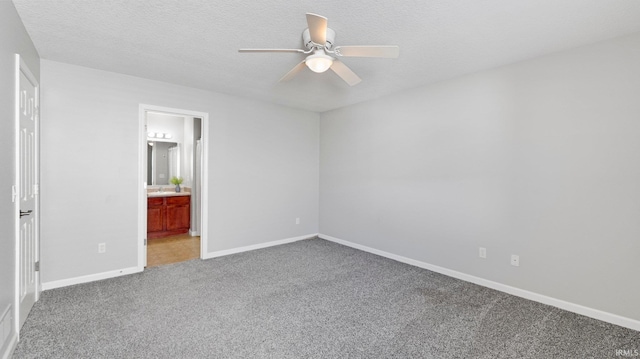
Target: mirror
pixel 163 162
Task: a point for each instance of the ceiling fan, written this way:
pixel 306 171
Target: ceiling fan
pixel 318 41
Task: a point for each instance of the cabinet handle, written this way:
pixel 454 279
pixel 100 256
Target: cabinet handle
pixel 25 213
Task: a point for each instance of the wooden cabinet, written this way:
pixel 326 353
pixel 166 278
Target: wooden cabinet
pixel 156 214
pixel 168 216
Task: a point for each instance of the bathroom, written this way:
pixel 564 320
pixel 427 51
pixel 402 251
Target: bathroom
pixel 174 162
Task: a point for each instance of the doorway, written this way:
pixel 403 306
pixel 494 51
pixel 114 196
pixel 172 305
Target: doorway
pixel 173 190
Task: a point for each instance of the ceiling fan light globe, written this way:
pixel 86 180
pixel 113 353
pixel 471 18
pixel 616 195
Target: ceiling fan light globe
pixel 319 63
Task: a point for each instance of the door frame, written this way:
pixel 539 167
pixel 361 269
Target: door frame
pixel 21 67
pixel 142 177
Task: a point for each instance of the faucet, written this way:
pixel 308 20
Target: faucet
pixel 160 189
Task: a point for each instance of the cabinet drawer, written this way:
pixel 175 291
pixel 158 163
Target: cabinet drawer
pixel 154 202
pixel 172 201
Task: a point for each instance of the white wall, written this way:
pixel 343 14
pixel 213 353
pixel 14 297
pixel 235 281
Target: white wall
pixel 263 168
pixel 173 125
pixel 539 159
pixel 13 39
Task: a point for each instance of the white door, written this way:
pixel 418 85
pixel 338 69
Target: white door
pixel 27 185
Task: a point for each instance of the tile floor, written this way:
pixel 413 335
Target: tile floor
pixel 173 249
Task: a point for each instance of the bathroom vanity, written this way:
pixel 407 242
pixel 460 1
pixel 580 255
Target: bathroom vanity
pixel 168 213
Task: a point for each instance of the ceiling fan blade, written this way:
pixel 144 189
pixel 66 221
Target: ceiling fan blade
pixel 317 28
pixel 271 50
pixel 368 51
pixel 345 73
pixel 294 71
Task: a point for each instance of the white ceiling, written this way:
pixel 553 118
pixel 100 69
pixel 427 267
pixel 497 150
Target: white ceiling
pixel 195 42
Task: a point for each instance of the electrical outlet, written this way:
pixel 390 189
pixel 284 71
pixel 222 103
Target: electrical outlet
pixel 482 252
pixel 297 220
pixel 102 247
pixel 515 260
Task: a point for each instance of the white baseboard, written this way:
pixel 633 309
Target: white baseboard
pixel 12 343
pixel 194 233
pixel 227 252
pixel 8 335
pixel 558 303
pixel 89 278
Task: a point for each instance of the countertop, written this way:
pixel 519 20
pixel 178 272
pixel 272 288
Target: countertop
pixel 168 194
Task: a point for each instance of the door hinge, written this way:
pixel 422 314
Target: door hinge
pixel 37 266
pixel 145 241
pixel 36 189
pixel 14 194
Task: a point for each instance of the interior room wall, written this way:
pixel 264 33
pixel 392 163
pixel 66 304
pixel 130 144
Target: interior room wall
pixel 538 159
pixel 13 40
pixel 263 168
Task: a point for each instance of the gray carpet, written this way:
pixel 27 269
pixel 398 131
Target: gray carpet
pixel 309 299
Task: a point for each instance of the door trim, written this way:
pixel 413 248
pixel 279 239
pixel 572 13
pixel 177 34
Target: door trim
pixel 21 67
pixel 142 177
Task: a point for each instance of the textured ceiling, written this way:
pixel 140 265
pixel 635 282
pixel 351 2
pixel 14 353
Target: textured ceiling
pixel 195 42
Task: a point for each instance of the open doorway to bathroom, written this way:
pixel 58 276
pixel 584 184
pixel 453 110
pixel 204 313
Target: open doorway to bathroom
pixel 172 203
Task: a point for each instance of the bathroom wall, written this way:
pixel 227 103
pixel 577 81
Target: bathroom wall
pixel 181 129
pixel 173 125
pixel 187 156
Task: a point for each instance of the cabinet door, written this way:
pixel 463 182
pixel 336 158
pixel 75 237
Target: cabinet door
pixel 178 217
pixel 155 215
pixel 178 213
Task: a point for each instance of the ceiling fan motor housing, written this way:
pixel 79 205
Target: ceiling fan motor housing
pixel 306 39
